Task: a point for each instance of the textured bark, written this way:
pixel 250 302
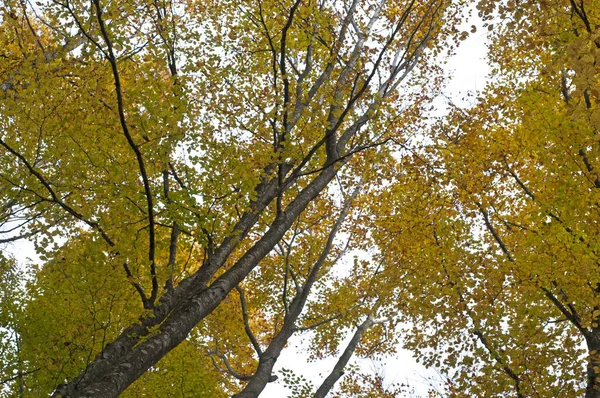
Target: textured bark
pixel 181 308
pixel 106 361
pixel 178 324
pixel 592 339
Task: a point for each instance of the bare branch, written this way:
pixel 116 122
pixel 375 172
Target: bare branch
pixel 316 324
pixel 15 377
pixel 137 286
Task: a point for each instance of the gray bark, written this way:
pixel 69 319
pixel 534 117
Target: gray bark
pixel 338 369
pixel 192 310
pixel 182 307
pixel 592 339
pixel 113 352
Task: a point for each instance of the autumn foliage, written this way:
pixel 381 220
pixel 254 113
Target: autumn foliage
pixel 203 180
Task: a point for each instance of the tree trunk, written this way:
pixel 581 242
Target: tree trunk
pixel 338 369
pixel 592 340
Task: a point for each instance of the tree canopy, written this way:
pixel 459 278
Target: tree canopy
pixel 203 180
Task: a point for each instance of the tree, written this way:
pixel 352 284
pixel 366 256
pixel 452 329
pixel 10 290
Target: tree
pixel 184 167
pixel 503 283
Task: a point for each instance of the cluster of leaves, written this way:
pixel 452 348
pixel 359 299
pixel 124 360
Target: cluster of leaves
pixel 194 175
pixel 502 281
pixel 183 161
pixel 297 384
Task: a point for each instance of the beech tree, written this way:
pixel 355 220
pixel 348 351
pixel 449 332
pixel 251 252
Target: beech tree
pixel 196 177
pixel 499 257
pixel 184 169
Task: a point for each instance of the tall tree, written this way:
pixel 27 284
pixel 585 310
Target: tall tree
pixel 173 163
pixel 503 283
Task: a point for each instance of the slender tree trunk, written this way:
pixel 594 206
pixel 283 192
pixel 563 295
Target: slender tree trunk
pixel 268 358
pixel 265 365
pixel 593 369
pixel 338 369
pixel 112 354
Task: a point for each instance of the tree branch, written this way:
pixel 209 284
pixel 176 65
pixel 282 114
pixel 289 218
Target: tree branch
pixel 249 333
pixel 338 369
pixel 138 154
pixel 93 224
